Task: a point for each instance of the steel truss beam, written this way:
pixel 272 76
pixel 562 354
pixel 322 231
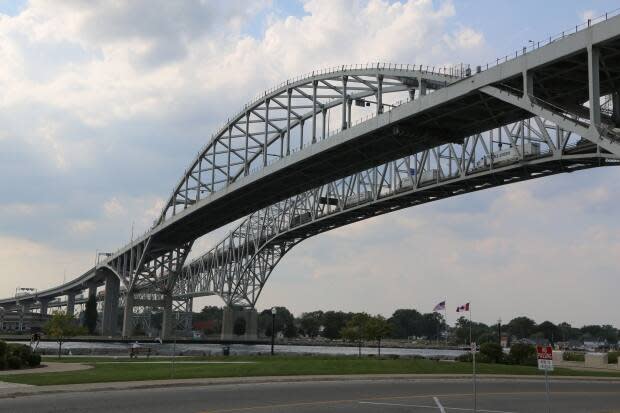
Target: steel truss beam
pixel 238 267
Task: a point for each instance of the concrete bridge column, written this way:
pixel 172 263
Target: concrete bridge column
pixel 615 99
pixel 71 303
pixel 231 315
pixel 594 86
pixel 167 324
pixel 2 310
pixel 128 315
pixel 380 94
pixel 110 305
pixel 92 289
pixel 44 302
pixel 344 102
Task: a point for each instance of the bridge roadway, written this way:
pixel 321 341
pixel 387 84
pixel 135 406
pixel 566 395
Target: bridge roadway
pixel 553 81
pixel 239 266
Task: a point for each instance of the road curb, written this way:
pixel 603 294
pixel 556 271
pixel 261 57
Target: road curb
pixel 129 385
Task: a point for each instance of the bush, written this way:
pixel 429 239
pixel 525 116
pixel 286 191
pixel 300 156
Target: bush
pixel 492 352
pixel 16 356
pixel 613 357
pixel 3 350
pixel 14 362
pixel 572 356
pixel 524 354
pixel 34 360
pixel 21 351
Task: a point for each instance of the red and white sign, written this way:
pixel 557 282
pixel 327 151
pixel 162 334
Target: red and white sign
pixel 545 357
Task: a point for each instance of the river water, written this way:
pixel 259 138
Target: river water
pixel 199 349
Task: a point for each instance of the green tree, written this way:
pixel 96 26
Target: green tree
pixel 568 332
pixel 432 324
pixel 285 322
pixel 213 315
pixel 90 314
pixel 62 326
pixel 310 323
pixel 522 327
pixel 376 328
pixel 478 330
pixel 333 322
pixel 406 323
pixel 492 352
pixel 521 353
pixel 549 331
pixel 356 329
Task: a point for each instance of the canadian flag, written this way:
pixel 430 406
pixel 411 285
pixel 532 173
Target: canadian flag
pixel 464 307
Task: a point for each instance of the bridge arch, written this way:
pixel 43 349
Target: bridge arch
pixel 275 123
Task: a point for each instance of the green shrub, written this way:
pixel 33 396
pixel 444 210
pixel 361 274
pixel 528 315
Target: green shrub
pixel 573 356
pixel 613 357
pixel 3 349
pixel 491 352
pixel 34 360
pixel 524 354
pixel 18 356
pixel 14 362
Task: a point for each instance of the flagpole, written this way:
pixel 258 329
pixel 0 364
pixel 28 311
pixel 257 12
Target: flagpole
pixel 473 353
pixel 445 314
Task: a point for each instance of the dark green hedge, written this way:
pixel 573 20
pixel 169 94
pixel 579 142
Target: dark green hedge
pixel 17 356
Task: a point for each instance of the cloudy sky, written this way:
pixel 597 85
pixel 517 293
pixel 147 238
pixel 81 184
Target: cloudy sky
pixel 104 103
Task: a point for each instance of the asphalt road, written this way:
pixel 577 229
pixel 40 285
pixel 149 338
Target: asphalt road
pixel 494 396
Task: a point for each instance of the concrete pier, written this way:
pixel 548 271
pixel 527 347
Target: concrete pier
pixel 231 315
pixel 110 305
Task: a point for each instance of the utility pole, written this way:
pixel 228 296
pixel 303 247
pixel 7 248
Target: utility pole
pixel 273 328
pixel 499 331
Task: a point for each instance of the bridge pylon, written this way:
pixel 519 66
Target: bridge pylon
pixel 232 315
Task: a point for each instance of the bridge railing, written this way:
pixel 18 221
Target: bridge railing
pixel 533 45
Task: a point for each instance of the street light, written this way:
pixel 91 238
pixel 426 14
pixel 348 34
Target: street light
pixel 273 328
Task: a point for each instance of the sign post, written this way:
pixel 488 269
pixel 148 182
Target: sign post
pixel 545 363
pixel 474 347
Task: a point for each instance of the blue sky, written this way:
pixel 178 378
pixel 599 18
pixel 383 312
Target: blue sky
pixel 104 105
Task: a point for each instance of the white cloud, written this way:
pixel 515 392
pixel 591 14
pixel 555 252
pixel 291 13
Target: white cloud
pixel 27 263
pixel 113 208
pixel 82 226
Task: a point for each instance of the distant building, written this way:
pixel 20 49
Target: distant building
pixel 21 322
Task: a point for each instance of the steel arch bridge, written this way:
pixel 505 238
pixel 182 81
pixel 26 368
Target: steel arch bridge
pixel 402 135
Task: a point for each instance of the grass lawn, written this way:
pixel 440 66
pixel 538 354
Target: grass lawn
pixel 108 370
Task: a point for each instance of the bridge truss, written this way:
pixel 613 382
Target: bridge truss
pixel 238 267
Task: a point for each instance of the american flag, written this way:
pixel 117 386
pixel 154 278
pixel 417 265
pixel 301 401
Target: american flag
pixel 440 307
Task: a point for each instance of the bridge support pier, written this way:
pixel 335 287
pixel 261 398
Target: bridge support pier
pixel 230 317
pixel 43 307
pixel 92 289
pixel 110 305
pixel 128 315
pixel 616 108
pixel 71 303
pixel 167 323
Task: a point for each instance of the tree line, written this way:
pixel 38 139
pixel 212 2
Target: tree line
pixel 409 324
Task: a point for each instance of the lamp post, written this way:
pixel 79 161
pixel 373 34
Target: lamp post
pixel 273 328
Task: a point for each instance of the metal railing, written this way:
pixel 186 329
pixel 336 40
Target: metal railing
pixel 533 45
